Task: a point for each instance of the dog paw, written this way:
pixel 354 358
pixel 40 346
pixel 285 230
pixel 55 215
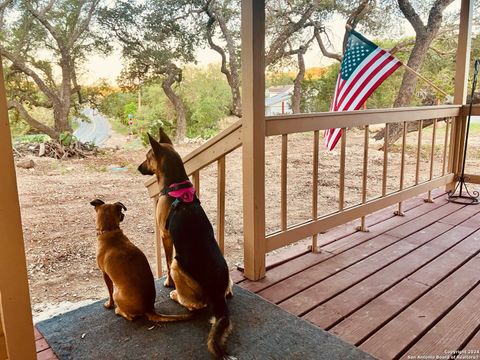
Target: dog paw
pixel 108 304
pixel 123 314
pixel 173 295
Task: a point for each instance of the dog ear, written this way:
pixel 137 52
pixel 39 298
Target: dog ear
pixel 164 137
pixel 156 147
pixel 97 202
pixel 119 207
pixel 118 203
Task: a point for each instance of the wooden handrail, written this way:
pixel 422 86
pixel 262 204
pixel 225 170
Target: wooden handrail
pixel 289 124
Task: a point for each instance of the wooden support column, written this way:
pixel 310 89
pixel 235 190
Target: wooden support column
pixel 15 309
pixel 253 134
pixel 457 137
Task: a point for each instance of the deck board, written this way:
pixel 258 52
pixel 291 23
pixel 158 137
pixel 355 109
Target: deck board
pixel 389 342
pixel 365 291
pixel 371 317
pixel 451 331
pixel 407 287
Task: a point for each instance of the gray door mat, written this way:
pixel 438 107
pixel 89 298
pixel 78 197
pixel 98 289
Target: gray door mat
pixel 261 330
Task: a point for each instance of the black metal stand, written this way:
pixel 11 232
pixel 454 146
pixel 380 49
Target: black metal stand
pixel 468 198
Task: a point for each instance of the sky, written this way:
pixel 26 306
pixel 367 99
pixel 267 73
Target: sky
pixel 109 67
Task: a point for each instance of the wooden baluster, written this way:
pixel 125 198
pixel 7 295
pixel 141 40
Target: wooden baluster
pixel 362 226
pixel 432 158
pixel 419 151
pixel 445 145
pixel 316 145
pixel 221 165
pixel 343 145
pixel 196 182
pixel 402 167
pixel 385 159
pixel 158 241
pixel 283 183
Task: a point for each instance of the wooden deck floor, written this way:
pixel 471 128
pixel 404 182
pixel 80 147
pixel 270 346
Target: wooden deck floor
pixel 408 287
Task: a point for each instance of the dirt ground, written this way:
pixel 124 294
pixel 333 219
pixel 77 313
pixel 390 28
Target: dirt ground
pixel 59 222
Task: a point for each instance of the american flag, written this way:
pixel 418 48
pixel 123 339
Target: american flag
pixel 364 67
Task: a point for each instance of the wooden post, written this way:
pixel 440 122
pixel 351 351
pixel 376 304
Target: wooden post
pixel 15 309
pixel 457 137
pixel 253 136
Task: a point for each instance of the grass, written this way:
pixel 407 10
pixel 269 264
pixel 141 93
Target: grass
pixel 118 127
pixel 31 138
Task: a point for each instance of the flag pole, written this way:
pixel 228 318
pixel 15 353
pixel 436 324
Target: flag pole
pixel 426 80
pixel 349 28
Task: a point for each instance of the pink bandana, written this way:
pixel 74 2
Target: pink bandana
pixel 186 195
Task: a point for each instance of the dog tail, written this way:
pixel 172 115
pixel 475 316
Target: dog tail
pixel 221 327
pixel 155 317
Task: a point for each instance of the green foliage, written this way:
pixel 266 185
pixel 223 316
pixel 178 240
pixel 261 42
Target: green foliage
pixel 207 97
pixel 317 92
pixel 66 138
pixel 113 105
pixel 205 93
pixel 32 138
pixel 129 110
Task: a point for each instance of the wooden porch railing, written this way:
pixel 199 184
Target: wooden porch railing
pixel 216 150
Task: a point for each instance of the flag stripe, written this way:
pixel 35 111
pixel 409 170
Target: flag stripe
pixel 366 83
pixel 365 66
pixel 374 83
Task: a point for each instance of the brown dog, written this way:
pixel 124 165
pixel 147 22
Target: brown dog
pixel 199 270
pixel 125 268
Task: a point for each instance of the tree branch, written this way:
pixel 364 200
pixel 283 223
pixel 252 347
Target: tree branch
pixel 20 65
pixel 276 50
pixel 40 16
pixel 13 104
pixel 83 25
pixel 355 17
pixel 412 16
pixel 323 49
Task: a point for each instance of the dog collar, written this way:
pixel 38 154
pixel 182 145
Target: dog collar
pixel 182 191
pixel 101 232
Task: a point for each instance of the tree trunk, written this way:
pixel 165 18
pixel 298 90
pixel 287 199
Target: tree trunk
pixel 424 37
pixel 62 109
pixel 297 84
pixel 174 74
pixel 231 71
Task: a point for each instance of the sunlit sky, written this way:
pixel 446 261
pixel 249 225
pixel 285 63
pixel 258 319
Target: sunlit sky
pixel 109 67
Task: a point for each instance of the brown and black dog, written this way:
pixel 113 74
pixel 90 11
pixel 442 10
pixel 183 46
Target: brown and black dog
pixel 199 270
pixel 125 268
